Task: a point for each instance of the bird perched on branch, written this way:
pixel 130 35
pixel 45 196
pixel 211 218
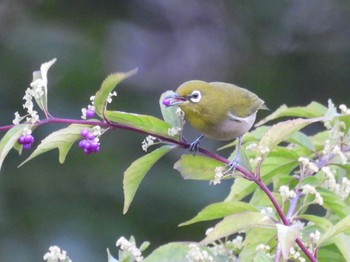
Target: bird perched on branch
pixel 220 111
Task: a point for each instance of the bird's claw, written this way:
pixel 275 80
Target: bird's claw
pixel 231 167
pixel 194 146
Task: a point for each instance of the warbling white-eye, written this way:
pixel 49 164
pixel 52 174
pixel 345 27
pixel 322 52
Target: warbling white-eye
pixel 220 111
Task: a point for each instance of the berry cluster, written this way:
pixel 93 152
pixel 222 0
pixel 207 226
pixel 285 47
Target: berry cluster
pixel 26 141
pixel 89 143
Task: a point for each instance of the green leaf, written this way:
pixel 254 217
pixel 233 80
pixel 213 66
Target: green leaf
pixel 137 171
pixel 197 167
pixel 331 253
pixel 171 252
pixel 342 242
pixel 255 237
pixel 144 123
pixel 303 140
pixel 342 226
pixel 219 210
pixel 282 130
pixel 262 257
pixel 279 161
pixel 320 222
pixel 312 110
pixel 235 223
pixel 107 87
pixel 333 202
pixel 62 139
pixel 9 140
pixel 169 112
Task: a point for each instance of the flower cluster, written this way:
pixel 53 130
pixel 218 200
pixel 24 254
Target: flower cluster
pixel 311 190
pixel 148 141
pixel 286 193
pixel 342 189
pixel 55 254
pixel 294 254
pixel 260 151
pixel 90 142
pixel 307 167
pixel 268 213
pixel 195 254
pixel 129 247
pixel 26 139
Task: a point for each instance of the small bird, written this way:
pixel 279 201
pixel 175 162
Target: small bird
pixel 220 111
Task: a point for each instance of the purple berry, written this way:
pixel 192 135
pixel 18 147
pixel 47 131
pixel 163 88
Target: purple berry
pixel 90 113
pixel 28 139
pixel 87 151
pixel 94 146
pixel 21 140
pixel 166 101
pixel 27 146
pixel 90 135
pixel 84 132
pixel 82 143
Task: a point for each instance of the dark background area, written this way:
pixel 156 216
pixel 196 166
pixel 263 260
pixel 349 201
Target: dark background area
pixel 288 52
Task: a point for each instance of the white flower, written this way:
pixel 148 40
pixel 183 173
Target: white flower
pixel 267 212
pixel 315 237
pixel 110 97
pixel 262 248
pixel 219 175
pixel 148 141
pixel 286 193
pixel 237 242
pixel 55 254
pixel 126 245
pixel 195 254
pixel 344 109
pixel 173 131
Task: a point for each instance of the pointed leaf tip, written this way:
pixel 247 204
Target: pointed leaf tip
pixel 107 87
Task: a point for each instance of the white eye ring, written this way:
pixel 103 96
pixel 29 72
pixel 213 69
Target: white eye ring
pixel 195 96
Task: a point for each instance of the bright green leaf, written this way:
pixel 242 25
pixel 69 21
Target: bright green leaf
pixel 137 171
pixel 219 210
pixel 262 257
pixel 342 242
pixel 107 87
pixel 255 237
pixel 319 221
pixel 9 140
pixel 331 253
pixel 144 123
pixel 312 110
pixel 333 202
pixel 303 140
pixel 62 139
pixel 342 226
pixel 235 223
pixel 171 252
pixel 282 130
pixel 197 167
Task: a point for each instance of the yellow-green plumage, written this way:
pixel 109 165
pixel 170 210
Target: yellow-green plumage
pixel 224 111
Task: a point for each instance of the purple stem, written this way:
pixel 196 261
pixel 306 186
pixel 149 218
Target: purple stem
pixel 248 175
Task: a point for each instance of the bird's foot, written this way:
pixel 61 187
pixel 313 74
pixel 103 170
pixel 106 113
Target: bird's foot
pixel 194 146
pixel 231 167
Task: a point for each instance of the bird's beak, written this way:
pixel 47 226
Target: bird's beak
pixel 173 100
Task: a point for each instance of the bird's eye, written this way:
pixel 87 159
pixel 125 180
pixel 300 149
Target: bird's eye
pixel 195 96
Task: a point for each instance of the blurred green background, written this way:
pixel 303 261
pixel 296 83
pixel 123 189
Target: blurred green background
pixel 289 52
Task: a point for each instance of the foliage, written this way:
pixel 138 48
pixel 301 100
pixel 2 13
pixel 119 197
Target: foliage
pixel 266 216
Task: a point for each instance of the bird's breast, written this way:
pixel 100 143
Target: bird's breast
pixel 227 129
